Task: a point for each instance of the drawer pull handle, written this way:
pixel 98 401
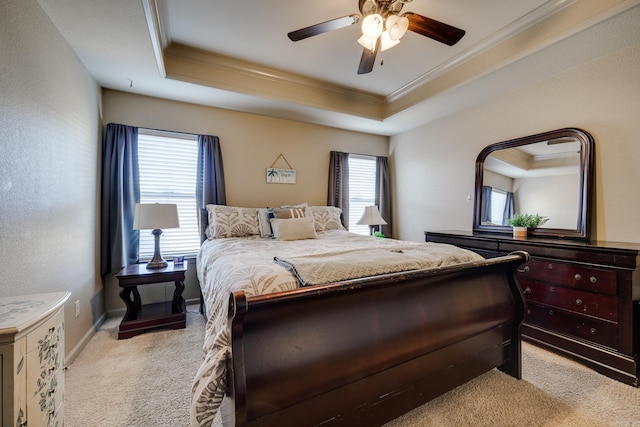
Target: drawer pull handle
pixel 593 331
pixel 527 290
pixel 550 266
pixel 578 301
pixel 525 269
pixel 592 279
pixel 551 312
pixel 577 277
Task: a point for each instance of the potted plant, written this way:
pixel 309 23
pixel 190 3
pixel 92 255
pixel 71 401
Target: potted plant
pixel 522 222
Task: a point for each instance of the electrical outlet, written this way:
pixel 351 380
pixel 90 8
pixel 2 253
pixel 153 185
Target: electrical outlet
pixel 77 308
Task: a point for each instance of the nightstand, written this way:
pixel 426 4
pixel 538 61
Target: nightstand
pixel 139 317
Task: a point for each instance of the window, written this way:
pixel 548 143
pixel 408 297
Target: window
pixel 498 202
pixel 168 167
pixel 362 189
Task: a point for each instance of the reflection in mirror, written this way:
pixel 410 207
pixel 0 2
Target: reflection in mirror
pixel 547 174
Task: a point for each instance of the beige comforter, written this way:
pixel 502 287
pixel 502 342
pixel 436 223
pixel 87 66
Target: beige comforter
pixel 247 264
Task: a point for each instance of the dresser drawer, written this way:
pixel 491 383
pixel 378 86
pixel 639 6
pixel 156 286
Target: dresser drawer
pixel 49 332
pixel 595 330
pixel 571 275
pixel 582 302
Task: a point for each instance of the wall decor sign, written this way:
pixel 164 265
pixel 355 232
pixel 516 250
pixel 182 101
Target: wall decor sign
pixel 281 175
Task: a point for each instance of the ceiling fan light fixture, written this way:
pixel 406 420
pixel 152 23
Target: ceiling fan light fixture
pixel 367 43
pixel 386 42
pixel 372 26
pixel 397 26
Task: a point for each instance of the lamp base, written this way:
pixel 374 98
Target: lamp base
pixel 157 261
pixel 152 265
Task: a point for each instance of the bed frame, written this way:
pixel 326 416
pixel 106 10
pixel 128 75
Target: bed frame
pixel 363 352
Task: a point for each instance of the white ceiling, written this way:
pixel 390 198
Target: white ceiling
pixel 236 54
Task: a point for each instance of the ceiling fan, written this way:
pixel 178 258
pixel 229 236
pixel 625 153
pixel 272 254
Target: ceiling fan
pixel 382 28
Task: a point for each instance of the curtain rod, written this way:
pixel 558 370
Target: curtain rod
pixel 169 131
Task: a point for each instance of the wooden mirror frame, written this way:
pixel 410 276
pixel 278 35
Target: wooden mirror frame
pixel 583 224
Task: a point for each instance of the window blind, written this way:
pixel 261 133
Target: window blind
pixel 498 200
pixel 362 189
pixel 168 165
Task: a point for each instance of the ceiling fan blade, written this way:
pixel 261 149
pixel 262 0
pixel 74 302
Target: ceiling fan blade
pixel 323 27
pixel 433 29
pixel 368 59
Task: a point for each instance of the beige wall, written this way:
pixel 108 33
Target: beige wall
pixel 250 144
pixel 49 133
pixel 435 162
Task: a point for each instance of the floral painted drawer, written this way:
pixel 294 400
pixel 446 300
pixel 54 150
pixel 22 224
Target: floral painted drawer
pixel 32 359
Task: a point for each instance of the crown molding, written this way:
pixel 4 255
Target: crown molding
pixel 535 16
pixel 544 26
pixel 195 65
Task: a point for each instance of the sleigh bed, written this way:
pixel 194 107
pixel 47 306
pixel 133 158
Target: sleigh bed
pixel 284 349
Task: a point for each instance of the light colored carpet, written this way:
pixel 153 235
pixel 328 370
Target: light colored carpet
pixel 146 381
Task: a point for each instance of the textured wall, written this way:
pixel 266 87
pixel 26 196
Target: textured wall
pixel 49 132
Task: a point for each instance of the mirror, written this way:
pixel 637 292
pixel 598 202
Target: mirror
pixel 549 174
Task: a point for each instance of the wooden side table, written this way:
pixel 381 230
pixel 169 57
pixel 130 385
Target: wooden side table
pixel 139 317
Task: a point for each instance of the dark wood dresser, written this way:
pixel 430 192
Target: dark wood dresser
pixel 583 298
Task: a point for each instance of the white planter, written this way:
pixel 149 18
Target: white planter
pixel 519 231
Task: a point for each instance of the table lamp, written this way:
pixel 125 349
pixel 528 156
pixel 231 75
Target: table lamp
pixel 371 216
pixel 155 216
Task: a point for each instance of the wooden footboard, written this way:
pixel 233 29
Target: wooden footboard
pixel 366 351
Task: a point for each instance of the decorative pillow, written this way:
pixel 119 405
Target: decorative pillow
pixel 263 222
pixel 327 218
pixel 230 221
pixel 264 215
pixel 293 228
pixel 286 213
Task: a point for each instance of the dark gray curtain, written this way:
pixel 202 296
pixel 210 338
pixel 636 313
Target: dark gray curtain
pixel 485 207
pixel 339 182
pixel 383 194
pixel 509 208
pixel 120 193
pixel 210 187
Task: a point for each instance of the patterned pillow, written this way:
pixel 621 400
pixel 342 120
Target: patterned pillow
pixel 327 218
pixel 230 221
pixel 286 213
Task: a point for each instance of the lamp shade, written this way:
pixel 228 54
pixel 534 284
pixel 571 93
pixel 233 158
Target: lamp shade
pixel 367 43
pixel 397 26
pixel 372 26
pixel 386 42
pixel 155 216
pixel 371 216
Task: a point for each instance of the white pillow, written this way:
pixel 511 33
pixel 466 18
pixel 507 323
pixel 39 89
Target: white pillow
pixel 293 228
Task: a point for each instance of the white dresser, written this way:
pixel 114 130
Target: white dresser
pixel 32 360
